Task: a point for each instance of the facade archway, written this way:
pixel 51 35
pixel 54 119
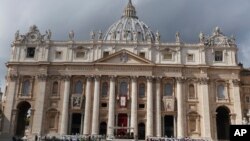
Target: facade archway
pixel 222 123
pixel 103 128
pixel 23 118
pixel 141 131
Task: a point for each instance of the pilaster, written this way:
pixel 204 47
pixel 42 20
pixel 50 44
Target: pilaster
pixel 180 110
pixel 134 124
pixel 95 117
pixel 205 106
pixel 87 114
pixel 39 105
pixel 237 101
pixel 149 124
pixel 65 106
pixel 111 114
pixel 9 104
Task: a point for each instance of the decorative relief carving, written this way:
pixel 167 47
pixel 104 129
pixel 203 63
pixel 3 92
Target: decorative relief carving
pixel 32 36
pixel 169 104
pixel 124 57
pixel 76 101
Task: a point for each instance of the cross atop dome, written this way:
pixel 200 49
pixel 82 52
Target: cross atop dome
pixel 130 11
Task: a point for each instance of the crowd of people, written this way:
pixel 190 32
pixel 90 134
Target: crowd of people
pixel 174 139
pixel 102 138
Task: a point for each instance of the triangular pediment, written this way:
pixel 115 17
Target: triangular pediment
pixel 123 57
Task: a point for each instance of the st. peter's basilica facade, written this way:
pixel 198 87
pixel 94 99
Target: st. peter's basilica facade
pixel 123 82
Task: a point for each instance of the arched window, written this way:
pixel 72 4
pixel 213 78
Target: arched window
pixel 104 89
pixel 26 88
pixel 191 92
pixel 221 91
pixel 141 90
pixel 78 87
pixel 55 88
pixel 168 89
pixel 123 88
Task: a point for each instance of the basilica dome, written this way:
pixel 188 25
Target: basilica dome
pixel 129 28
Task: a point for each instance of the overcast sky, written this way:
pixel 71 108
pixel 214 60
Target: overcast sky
pixel 189 17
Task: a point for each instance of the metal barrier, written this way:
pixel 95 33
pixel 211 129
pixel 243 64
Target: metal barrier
pixel 175 139
pixel 72 138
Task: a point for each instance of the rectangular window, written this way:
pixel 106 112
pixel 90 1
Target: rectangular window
pixel 218 56
pixel 58 55
pixel 190 57
pixel 142 54
pixel 80 54
pixel 105 53
pixel 30 52
pixel 167 56
pixel 104 105
pixel 141 106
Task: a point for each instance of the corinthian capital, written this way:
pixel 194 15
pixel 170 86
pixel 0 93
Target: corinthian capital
pixel 66 77
pixel 236 82
pixel 42 77
pixel 180 79
pixel 203 81
pixel 149 78
pixel 13 77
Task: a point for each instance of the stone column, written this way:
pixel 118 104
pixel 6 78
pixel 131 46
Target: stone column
pixel 134 124
pixel 95 117
pixel 149 124
pixel 237 101
pixel 10 96
pixel 158 107
pixel 111 114
pixel 180 110
pixel 206 117
pixel 39 105
pixel 87 114
pixel 65 106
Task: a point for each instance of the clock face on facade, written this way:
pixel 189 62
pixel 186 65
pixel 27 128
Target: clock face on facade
pixel 33 37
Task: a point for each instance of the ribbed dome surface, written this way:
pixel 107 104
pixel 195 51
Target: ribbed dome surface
pixel 129 28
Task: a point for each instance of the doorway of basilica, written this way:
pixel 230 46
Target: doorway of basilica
pixel 76 121
pixel 222 123
pixel 103 128
pixel 122 122
pixel 169 126
pixel 141 131
pixel 23 118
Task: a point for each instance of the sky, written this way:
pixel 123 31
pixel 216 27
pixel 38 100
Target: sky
pixel 189 17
